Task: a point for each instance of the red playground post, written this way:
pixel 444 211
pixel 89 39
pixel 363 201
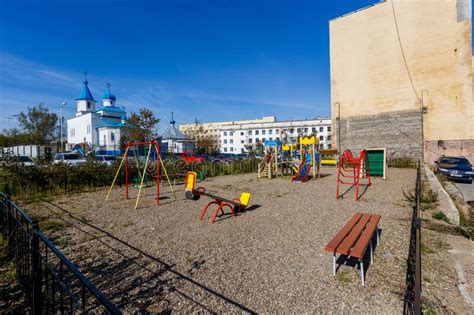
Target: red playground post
pixel 354 168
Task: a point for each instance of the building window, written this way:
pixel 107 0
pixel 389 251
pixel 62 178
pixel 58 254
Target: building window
pixel 329 137
pixel 242 150
pixel 329 129
pixel 88 104
pixel 313 130
pixel 271 138
pixel 263 139
pixel 263 131
pixel 250 132
pixel 305 129
pixel 231 141
pixel 256 132
pixel 298 130
pixel 321 129
pixel 292 130
pixel 225 133
pixel 270 131
pixel 321 138
pixel 277 130
pixel 231 149
pixel 225 141
pixel 250 140
pixel 278 138
pixel 112 136
pixel 241 133
pixel 231 133
pixel 257 140
pixel 225 149
pixel 242 141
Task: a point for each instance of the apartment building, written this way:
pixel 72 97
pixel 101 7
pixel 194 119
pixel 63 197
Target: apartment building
pixel 213 129
pixel 238 138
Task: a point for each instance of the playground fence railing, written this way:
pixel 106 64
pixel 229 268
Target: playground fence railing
pixel 412 300
pixel 50 282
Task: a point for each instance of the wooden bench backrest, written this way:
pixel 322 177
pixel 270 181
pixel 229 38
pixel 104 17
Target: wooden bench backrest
pixel 361 245
pixel 334 243
pixel 354 237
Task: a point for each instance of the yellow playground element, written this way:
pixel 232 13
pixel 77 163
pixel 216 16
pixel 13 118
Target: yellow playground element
pixel 244 199
pixel 190 183
pixel 328 156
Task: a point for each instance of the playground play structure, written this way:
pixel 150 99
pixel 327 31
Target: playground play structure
pixel 150 147
pixel 356 169
pixel 193 193
pixel 282 159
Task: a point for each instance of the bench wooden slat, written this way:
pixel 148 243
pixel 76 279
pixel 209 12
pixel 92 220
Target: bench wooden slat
pixel 334 243
pixel 345 247
pixel 361 245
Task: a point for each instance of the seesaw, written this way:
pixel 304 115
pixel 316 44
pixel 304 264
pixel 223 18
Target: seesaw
pixel 193 193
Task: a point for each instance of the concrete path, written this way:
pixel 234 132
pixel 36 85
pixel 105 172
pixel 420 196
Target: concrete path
pixel 467 191
pixel 463 256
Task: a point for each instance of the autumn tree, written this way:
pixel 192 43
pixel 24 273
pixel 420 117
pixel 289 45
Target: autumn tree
pixel 141 126
pixel 204 142
pixel 40 124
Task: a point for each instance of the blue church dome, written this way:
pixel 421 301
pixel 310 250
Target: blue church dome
pixel 108 95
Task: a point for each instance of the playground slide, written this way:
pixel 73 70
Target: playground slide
pixel 303 173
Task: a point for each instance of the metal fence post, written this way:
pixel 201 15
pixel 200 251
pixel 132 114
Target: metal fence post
pixel 36 270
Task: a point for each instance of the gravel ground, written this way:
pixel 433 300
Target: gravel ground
pixel 268 259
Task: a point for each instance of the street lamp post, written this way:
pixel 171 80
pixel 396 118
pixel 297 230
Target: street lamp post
pixel 61 124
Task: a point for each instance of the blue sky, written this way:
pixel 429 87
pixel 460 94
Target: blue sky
pixel 210 60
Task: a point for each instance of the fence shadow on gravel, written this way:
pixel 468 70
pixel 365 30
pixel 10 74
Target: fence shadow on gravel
pixel 122 273
pixel 50 282
pixel 412 299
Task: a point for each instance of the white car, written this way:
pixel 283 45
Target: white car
pixel 106 159
pixel 68 158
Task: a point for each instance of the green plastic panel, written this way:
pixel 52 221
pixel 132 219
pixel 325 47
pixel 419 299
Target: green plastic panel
pixel 376 162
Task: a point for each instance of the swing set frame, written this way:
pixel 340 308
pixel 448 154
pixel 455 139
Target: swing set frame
pixel 159 164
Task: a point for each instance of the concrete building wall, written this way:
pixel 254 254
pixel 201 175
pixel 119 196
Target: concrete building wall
pixel 389 60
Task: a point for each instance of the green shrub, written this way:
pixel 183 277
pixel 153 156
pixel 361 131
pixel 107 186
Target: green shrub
pixel 441 216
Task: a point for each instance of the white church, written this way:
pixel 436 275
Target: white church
pixel 96 128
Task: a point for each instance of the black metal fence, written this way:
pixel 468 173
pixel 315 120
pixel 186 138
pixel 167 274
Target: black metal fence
pixel 412 303
pixel 51 283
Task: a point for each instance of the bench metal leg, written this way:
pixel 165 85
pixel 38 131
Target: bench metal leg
pixel 371 252
pixel 334 264
pixel 377 232
pixel 362 272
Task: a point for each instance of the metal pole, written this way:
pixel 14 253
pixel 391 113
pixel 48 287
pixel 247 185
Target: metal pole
pixel 36 270
pixel 61 124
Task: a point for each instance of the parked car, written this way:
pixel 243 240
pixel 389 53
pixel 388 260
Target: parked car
pixel 68 158
pixel 21 160
pixel 106 159
pixel 191 158
pixel 455 168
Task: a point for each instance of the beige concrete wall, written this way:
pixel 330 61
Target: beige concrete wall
pixel 369 75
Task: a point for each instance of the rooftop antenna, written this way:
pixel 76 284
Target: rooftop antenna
pixel 172 119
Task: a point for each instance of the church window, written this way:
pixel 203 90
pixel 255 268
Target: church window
pixel 112 136
pixel 88 105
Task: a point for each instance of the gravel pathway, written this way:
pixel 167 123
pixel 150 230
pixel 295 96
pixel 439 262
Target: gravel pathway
pixel 268 259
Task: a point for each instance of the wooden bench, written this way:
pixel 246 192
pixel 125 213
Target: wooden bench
pixel 354 238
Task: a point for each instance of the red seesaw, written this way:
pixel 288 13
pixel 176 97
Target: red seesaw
pixel 235 205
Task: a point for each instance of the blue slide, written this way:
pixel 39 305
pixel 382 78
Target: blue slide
pixel 303 172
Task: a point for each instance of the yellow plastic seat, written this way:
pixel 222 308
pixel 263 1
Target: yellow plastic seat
pixel 191 181
pixel 244 199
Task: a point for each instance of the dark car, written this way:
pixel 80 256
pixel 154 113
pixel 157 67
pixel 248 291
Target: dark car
pixel 455 168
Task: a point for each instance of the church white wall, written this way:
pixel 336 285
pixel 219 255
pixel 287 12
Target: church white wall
pixel 80 128
pixel 82 107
